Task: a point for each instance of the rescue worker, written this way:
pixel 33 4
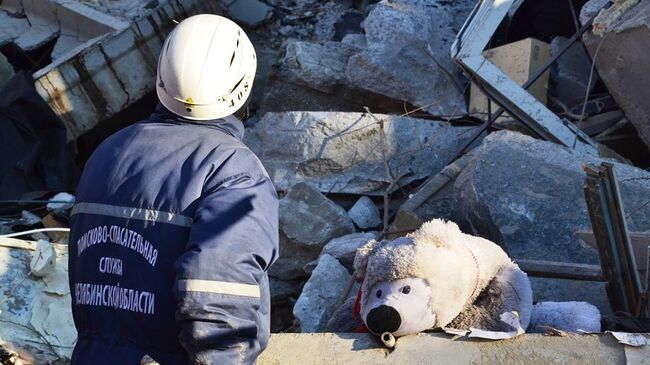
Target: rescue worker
pixel 176 220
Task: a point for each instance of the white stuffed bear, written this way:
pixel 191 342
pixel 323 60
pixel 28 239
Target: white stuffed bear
pixel 440 277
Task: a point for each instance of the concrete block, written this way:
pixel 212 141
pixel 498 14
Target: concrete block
pixel 365 214
pixel 10 26
pixel 340 152
pixel 114 70
pixel 320 294
pixel 622 61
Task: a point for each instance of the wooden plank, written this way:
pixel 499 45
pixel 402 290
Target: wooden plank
pixel 561 270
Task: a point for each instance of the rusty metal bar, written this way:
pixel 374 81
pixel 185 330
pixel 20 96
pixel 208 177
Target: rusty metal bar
pixel 612 239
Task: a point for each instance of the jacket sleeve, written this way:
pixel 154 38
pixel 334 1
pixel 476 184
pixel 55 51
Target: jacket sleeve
pixel 221 282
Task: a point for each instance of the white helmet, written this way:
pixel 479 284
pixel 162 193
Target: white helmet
pixel 206 68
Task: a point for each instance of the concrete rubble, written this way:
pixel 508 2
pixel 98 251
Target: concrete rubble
pixel 35 315
pixel 302 209
pixel 342 152
pixel 405 58
pixel 319 65
pixel 113 71
pixel 622 59
pixel 365 214
pixel 344 248
pixel 320 294
pixel 527 195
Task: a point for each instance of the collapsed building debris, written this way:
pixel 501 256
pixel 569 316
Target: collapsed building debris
pixel 112 71
pixel 302 209
pixel 320 294
pixel 35 310
pixel 519 191
pixel 347 152
pixel 618 48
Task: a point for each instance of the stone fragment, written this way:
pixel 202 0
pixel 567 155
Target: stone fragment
pixel 623 58
pixel 527 195
pixel 345 248
pixel 365 214
pixel 570 73
pixel 320 294
pixel 318 65
pixel 11 27
pixel 308 220
pixel 60 202
pixel 250 12
pixel 408 55
pixel 44 24
pixel 43 259
pixel 341 152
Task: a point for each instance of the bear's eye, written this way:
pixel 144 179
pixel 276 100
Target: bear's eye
pixel 379 293
pixel 406 289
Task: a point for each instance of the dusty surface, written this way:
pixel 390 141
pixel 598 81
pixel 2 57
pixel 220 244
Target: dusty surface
pixel 349 349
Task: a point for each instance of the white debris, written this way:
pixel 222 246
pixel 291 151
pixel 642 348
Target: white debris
pixel 630 339
pixel 29 218
pixel 364 213
pixel 60 201
pixel 43 259
pixel 510 318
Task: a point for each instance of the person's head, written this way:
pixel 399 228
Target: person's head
pixel 206 68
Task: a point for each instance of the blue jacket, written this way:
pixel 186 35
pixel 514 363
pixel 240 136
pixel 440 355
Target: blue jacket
pixel 174 228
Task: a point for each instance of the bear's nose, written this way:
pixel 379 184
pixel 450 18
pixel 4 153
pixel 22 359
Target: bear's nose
pixel 383 319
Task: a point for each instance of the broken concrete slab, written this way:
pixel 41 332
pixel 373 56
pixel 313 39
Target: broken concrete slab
pixel 35 308
pixel 302 209
pixel 436 348
pixel 318 65
pixel 320 294
pixel 622 59
pixel 250 12
pixel 11 27
pixel 365 214
pixel 113 71
pixel 344 248
pixel 527 195
pixel 342 152
pixel 408 56
pixel 570 73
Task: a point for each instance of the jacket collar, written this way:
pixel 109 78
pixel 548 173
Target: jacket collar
pixel 229 124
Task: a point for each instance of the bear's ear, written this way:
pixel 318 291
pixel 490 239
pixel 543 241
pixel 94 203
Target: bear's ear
pixel 361 258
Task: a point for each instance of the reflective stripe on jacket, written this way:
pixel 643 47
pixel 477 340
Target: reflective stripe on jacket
pixel 173 231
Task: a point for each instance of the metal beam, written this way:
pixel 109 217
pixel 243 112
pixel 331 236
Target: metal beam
pixel 467 52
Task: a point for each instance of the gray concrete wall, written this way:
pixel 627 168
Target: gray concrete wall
pixel 351 349
pixel 113 71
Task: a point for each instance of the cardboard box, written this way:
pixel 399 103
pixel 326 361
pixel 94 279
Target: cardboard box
pixel 519 60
